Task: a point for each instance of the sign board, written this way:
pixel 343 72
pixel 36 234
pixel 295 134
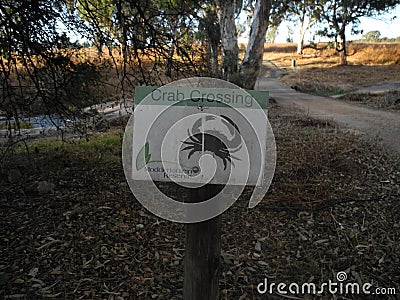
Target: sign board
pixel 199 135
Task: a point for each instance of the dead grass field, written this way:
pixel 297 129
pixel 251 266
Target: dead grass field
pixel 333 206
pixel 114 79
pixel 370 54
pixel 335 79
pixel 386 100
pixel 318 72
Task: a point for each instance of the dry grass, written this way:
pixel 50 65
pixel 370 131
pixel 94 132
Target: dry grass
pixel 83 239
pixel 333 206
pixel 319 163
pixel 318 72
pixel 336 79
pixel 389 100
pixel 374 53
pixel 142 67
pixel 358 54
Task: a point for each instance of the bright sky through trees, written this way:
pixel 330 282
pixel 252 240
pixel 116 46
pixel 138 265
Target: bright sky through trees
pixel 384 24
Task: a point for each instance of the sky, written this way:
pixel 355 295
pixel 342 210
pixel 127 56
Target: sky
pixel 387 27
pixel 383 23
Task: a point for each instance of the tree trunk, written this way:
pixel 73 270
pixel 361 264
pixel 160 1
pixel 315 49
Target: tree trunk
pixel 123 39
pixel 214 58
pixel 300 42
pixel 171 50
pixel 272 33
pixel 229 39
pixel 124 54
pixel 253 57
pixel 342 47
pixel 210 25
pixel 305 24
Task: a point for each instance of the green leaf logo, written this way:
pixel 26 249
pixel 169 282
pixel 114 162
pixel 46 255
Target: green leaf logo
pixel 143 157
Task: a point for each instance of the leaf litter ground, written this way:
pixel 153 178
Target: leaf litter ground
pixel 333 206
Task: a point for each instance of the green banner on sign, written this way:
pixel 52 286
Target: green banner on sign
pixel 206 97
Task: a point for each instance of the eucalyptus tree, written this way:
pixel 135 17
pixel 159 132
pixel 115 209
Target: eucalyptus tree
pixel 264 13
pixel 228 11
pixel 147 31
pixel 179 16
pixel 209 27
pixel 372 36
pixel 39 74
pixel 306 15
pixel 341 14
pixel 253 57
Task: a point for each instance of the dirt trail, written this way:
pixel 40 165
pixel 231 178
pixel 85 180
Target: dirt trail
pixel 374 123
pixel 380 88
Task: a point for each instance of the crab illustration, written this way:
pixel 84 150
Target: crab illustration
pixel 204 137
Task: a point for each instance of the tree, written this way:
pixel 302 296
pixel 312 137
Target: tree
pixel 229 38
pixel 154 37
pixel 306 16
pixel 38 72
pixel 372 36
pixel 176 14
pixel 253 57
pixel 101 11
pixel 247 73
pixel 290 32
pixel 210 26
pixel 116 21
pixel 148 32
pixel 340 14
pixel 272 32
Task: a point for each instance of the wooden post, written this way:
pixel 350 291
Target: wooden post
pixel 202 254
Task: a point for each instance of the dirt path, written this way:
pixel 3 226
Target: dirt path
pixel 383 125
pixel 380 88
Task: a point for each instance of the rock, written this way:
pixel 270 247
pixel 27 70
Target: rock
pixel 39 187
pixel 45 187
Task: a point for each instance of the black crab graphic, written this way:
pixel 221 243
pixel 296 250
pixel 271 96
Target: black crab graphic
pixel 209 134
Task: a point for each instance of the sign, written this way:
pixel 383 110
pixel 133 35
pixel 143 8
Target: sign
pixel 199 135
pixel 197 132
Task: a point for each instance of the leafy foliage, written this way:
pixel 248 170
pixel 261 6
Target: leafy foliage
pixel 42 70
pixel 38 70
pixel 339 14
pixel 89 237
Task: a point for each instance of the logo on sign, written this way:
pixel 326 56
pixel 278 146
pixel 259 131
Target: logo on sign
pixel 217 135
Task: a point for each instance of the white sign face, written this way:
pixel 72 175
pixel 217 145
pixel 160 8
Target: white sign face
pixel 199 135
pixel 198 131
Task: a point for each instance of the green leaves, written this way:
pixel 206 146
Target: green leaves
pixel 143 157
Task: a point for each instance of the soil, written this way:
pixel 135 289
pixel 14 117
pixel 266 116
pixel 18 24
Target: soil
pixel 373 123
pixel 332 207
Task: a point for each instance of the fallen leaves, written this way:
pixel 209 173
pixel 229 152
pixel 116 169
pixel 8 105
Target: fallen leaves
pixel 333 206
